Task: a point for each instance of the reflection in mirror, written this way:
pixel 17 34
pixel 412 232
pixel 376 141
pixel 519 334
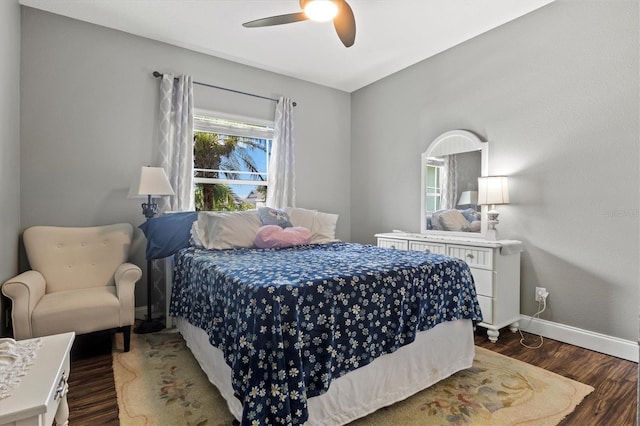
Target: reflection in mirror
pixel 451 166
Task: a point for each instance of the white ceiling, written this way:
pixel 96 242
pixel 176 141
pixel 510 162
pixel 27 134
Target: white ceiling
pixel 391 34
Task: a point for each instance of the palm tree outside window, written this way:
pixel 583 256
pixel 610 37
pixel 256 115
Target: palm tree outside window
pixel 231 160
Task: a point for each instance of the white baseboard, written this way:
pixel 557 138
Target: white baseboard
pixel 614 346
pixel 140 312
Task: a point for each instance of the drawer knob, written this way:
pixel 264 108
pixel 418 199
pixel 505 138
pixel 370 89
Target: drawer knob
pixel 62 389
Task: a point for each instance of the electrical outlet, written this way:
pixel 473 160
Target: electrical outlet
pixel 541 293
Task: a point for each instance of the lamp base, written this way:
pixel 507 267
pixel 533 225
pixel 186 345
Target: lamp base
pixel 492 222
pixel 492 234
pixel 149 326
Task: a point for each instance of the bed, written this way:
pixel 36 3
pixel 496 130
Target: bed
pixel 322 333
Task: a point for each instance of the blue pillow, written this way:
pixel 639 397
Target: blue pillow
pixel 269 216
pixel 470 214
pixel 168 233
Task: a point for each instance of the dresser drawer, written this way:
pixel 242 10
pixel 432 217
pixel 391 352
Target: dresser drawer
pixel 431 247
pixel 483 279
pixel 478 257
pixel 393 244
pixel 486 306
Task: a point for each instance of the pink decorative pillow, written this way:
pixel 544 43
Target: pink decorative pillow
pixel 475 226
pixel 273 236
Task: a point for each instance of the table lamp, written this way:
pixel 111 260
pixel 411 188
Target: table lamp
pixel 493 190
pixel 150 182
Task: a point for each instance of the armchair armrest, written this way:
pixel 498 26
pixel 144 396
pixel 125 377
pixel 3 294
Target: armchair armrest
pixel 25 291
pixel 125 279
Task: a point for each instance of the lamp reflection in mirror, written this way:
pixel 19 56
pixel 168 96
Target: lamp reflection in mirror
pixel 150 182
pixel 493 190
pixel 468 198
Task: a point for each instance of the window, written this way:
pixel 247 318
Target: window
pixel 231 159
pixel 434 187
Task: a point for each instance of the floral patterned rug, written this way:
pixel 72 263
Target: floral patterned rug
pixel 160 383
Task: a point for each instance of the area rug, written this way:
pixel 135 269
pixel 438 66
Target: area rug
pixel 160 383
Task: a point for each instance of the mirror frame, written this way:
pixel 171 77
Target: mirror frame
pixel 454 142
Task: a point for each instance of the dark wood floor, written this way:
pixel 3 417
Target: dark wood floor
pixel 92 396
pixel 92 392
pixel 614 400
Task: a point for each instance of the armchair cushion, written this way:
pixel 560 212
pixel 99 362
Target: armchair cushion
pixel 83 311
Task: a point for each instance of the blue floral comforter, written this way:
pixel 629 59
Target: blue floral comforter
pixel 289 321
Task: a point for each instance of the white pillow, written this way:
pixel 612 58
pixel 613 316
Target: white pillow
pixel 301 217
pixel 324 228
pixel 195 238
pixel 226 230
pixel 453 220
pixel 322 225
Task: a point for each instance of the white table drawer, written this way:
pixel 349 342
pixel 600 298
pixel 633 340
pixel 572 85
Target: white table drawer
pixel 474 256
pixel 58 391
pixel 425 246
pixel 393 244
pixel 486 306
pixel 483 279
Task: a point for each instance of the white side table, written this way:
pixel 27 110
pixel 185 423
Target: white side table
pixel 41 394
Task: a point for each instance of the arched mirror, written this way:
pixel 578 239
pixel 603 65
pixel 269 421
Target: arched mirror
pixel 451 166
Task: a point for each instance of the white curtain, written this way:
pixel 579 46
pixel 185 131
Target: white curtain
pixel 175 149
pixel 450 183
pixel 281 189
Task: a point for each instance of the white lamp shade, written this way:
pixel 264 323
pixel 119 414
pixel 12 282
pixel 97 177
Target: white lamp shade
pixel 150 181
pixel 468 198
pixel 493 190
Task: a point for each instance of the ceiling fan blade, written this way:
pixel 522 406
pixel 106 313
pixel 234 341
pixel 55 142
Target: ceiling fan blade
pixel 277 20
pixel 345 24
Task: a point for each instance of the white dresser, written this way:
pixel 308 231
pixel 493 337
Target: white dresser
pixel 495 266
pixel 41 395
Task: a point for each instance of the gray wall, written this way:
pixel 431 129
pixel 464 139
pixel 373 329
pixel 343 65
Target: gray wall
pixel 9 143
pixel 469 167
pixel 89 114
pixel 556 95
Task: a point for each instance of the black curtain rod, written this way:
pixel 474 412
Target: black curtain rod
pixel 158 74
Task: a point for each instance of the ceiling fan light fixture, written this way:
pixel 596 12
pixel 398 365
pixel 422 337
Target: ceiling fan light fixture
pixel 317 10
pixel 321 10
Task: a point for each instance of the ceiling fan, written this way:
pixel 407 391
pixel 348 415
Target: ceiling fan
pixel 317 10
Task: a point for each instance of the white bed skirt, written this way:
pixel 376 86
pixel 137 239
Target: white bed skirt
pixel 434 355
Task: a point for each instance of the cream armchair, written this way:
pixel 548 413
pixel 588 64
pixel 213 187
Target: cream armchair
pixel 79 281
